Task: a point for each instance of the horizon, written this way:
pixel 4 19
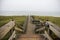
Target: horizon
pixel 35 13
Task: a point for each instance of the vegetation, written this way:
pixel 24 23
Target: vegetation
pixel 19 20
pixel 5 19
pixel 55 20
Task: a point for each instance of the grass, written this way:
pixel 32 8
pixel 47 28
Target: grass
pixel 55 20
pixel 19 20
pixel 6 19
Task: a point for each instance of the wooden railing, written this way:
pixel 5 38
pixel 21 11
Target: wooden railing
pixel 40 29
pixel 52 29
pixel 25 24
pixel 6 28
pixel 12 36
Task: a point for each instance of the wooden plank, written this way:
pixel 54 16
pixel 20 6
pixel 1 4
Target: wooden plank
pixel 30 37
pixel 57 33
pixel 16 28
pixel 13 35
pixel 6 28
pixel 40 29
pixel 54 25
pixel 47 36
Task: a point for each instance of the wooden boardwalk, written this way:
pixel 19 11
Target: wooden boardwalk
pixel 30 35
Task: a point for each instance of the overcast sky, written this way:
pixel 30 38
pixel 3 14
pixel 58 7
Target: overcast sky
pixel 50 6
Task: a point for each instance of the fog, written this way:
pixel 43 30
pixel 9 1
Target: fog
pixel 30 7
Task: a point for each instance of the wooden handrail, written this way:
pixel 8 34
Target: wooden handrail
pixel 54 25
pixel 13 35
pixel 57 33
pixel 25 24
pixel 6 28
pixel 16 28
pixel 54 28
pixel 40 29
pixel 48 36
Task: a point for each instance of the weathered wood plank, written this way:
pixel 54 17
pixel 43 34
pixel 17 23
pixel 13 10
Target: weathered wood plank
pixel 40 29
pixel 54 25
pixel 6 28
pixel 16 28
pixel 47 36
pixel 57 33
pixel 13 35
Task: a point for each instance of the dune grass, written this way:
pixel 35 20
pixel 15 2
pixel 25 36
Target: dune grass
pixel 6 19
pixel 55 20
